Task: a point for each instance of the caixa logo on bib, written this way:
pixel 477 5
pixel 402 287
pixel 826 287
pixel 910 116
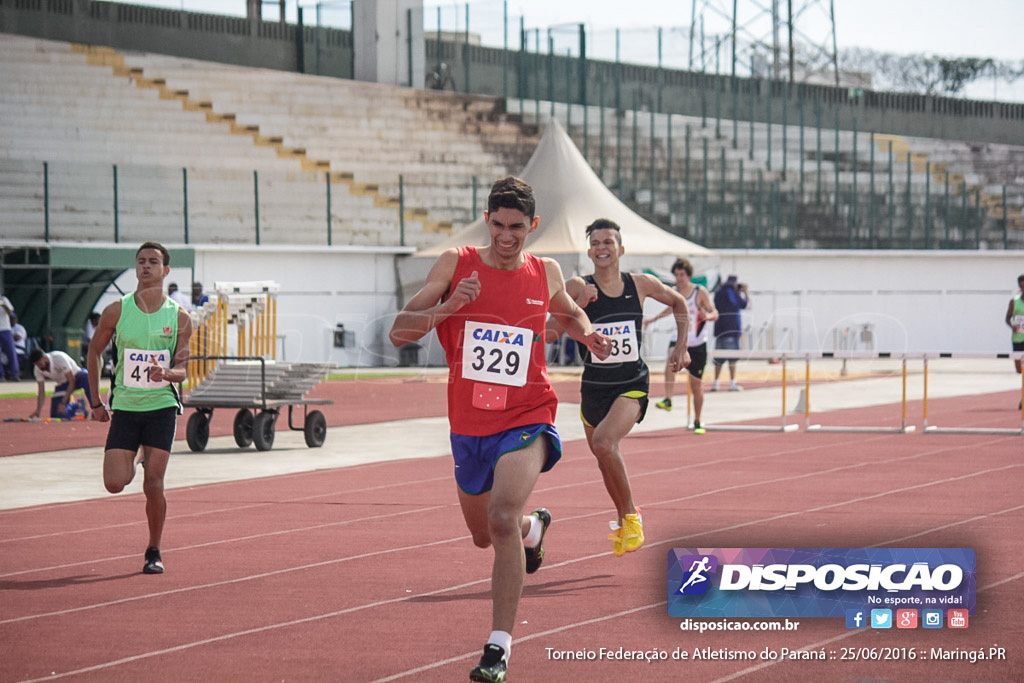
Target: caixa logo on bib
pixel 816 582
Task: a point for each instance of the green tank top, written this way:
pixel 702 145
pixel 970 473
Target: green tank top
pixel 139 337
pixel 1018 313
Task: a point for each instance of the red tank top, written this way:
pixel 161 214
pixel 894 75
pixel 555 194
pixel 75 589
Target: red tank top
pixel 497 378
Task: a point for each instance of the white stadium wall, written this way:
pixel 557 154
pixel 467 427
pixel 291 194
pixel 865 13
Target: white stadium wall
pixel 801 301
pixel 909 300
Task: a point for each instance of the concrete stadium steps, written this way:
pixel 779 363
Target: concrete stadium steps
pixel 369 158
pixel 83 121
pixel 345 119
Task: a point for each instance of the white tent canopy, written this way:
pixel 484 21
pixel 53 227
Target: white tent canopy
pixel 570 196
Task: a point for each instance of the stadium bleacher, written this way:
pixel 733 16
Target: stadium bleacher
pixel 165 122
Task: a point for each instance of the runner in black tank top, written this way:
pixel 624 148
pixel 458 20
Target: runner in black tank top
pixel 603 382
pixel 614 392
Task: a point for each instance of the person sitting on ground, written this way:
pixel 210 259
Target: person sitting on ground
pixel 57 366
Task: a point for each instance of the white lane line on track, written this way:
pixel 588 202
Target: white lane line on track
pixel 718 462
pixel 225 510
pixel 234 509
pixel 357 608
pixel 583 516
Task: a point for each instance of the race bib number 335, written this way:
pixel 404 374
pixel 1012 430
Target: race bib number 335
pixel 138 364
pixel 497 354
pixel 624 346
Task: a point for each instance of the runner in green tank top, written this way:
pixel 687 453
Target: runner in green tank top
pixel 152 336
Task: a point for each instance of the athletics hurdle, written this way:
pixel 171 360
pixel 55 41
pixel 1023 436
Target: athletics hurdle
pixel 740 355
pixel 931 429
pixel 251 308
pixel 904 428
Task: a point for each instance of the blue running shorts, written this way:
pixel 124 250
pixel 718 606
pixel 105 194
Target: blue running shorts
pixel 476 456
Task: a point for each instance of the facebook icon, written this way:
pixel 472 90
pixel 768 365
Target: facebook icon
pixel 856 618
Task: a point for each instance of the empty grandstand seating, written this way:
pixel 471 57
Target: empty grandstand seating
pixel 278 157
pixel 247 150
pixel 831 203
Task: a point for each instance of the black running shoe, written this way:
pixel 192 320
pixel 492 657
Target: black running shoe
pixel 534 556
pixel 154 565
pixel 493 665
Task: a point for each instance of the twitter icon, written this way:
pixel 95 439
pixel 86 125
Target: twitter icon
pixel 881 618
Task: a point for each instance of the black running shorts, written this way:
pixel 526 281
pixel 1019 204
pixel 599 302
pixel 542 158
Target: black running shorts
pixel 698 358
pixel 154 428
pixel 594 405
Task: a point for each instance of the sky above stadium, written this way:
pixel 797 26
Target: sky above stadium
pixel 948 28
pixel 978 28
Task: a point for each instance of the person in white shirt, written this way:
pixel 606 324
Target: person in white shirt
pixel 57 366
pixel 10 369
pixel 178 296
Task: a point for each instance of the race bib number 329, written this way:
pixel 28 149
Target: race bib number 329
pixel 138 364
pixel 497 354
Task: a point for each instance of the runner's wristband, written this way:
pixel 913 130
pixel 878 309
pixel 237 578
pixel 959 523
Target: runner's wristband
pixel 98 405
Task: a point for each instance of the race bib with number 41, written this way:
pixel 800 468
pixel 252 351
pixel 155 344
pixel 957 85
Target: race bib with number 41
pixel 138 364
pixel 498 354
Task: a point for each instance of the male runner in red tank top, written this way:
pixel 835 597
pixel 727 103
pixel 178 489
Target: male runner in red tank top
pixel 489 307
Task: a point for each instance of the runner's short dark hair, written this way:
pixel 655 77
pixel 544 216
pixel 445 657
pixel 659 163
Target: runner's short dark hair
pixel 512 193
pixel 159 247
pixel 683 264
pixel 605 224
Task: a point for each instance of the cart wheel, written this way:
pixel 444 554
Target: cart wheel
pixel 243 427
pixel 197 432
pixel 316 429
pixel 263 430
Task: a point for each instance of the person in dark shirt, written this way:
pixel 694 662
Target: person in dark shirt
pixel 731 298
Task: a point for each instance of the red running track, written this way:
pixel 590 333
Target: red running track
pixel 368 574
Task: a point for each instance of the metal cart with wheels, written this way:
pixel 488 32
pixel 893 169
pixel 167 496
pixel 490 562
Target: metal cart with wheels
pixel 257 389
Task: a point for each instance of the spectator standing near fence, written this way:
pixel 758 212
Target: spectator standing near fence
pixel 20 335
pixel 179 297
pixel 199 297
pixel 731 298
pixel 10 369
pixel 152 356
pixel 1015 319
